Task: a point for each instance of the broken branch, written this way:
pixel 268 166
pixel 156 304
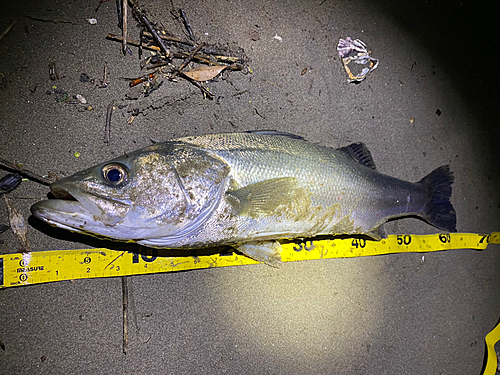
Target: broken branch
pixel 141 16
pixel 7 29
pixel 190 57
pixel 124 29
pixel 170 39
pixel 125 313
pixel 132 42
pixel 186 24
pixel 107 128
pixel 24 172
pixel 136 81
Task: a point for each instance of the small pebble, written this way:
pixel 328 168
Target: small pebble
pixel 81 99
pixel 84 77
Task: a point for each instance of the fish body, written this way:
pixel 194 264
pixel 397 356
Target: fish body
pixel 241 189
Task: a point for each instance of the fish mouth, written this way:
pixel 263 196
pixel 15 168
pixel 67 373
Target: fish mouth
pixel 63 212
pixel 71 209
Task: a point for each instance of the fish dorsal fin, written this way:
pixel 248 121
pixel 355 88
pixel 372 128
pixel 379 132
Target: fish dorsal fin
pixel 264 197
pixel 277 133
pixel 360 153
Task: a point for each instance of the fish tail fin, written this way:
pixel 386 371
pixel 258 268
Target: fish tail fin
pixel 439 210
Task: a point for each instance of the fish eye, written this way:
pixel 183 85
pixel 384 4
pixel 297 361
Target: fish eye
pixel 115 174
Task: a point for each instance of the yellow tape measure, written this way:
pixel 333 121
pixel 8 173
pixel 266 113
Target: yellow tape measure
pixel 48 266
pixel 58 265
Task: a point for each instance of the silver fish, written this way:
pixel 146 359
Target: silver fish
pixel 242 189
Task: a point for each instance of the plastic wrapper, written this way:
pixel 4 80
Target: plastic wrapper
pixel 356 59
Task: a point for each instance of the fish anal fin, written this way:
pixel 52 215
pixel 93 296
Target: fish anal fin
pixel 360 153
pixel 377 233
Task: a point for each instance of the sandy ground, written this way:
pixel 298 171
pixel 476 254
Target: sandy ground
pixel 394 314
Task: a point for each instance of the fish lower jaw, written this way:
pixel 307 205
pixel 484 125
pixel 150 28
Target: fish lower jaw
pixel 63 226
pixel 59 223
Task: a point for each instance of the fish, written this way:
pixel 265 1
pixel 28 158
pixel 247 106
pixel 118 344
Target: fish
pixel 247 190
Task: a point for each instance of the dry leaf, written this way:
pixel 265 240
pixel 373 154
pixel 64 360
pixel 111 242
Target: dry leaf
pixel 18 225
pixel 205 73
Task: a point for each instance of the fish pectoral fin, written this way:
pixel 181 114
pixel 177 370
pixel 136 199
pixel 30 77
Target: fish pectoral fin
pixel 268 252
pixel 264 197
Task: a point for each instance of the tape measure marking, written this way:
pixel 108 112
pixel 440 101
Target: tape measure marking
pixel 57 265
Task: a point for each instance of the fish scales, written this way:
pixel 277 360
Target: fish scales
pixel 328 174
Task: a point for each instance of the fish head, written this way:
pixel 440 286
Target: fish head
pixel 164 190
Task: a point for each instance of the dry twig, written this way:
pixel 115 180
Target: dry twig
pixel 132 42
pixel 7 29
pixel 100 3
pixel 24 172
pixel 107 128
pixel 190 57
pixel 170 38
pixel 124 27
pixel 197 84
pixel 187 25
pixel 125 314
pixel 142 17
